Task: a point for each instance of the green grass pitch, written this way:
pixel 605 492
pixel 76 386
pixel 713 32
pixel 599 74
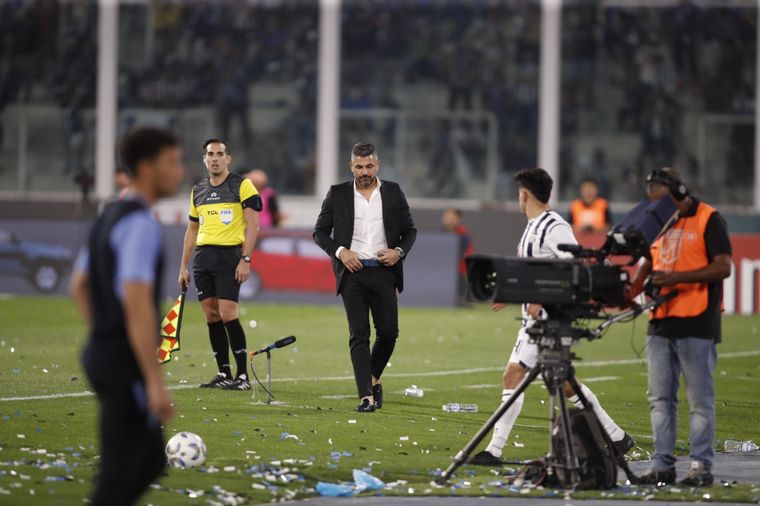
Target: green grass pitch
pixel 48 447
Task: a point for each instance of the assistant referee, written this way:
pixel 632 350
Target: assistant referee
pixel 224 221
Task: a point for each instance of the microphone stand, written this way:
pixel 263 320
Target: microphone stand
pixel 269 377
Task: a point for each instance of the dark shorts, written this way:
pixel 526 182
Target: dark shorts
pixel 214 272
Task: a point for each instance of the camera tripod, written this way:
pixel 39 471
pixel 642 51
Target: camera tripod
pixel 554 339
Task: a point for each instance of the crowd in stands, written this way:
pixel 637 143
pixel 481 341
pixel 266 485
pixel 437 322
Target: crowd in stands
pixel 659 62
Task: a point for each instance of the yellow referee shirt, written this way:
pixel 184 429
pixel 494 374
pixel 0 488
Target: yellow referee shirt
pixel 219 210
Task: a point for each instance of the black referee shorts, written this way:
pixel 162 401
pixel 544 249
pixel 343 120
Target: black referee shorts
pixel 214 272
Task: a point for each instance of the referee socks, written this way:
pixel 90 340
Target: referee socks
pixel 238 345
pixel 218 337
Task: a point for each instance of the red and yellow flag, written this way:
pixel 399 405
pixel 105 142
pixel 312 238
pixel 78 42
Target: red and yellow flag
pixel 170 330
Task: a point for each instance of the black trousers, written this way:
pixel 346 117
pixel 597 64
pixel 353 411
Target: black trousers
pixel 132 445
pixel 371 289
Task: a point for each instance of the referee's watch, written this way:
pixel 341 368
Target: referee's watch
pixel 247 259
pixel 401 253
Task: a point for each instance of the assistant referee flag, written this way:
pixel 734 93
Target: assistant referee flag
pixel 170 329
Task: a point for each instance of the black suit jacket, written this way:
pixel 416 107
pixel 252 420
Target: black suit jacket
pixel 335 225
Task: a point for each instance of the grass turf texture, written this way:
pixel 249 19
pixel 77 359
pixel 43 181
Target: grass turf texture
pixel 39 355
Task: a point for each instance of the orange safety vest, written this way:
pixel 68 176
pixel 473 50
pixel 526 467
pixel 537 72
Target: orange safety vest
pixel 682 248
pixel 592 216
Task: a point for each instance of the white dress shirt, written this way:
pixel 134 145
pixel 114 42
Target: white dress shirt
pixel 369 232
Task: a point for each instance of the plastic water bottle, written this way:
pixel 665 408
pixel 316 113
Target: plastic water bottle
pixel 456 407
pixel 414 391
pixel 732 445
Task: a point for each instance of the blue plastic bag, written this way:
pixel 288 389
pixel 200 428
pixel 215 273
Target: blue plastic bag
pixel 334 489
pixel 365 481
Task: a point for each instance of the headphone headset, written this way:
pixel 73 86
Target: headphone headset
pixel 663 177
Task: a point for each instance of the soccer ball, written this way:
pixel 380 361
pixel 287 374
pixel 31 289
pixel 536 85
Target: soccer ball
pixel 186 449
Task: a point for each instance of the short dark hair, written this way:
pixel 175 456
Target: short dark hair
pixel 589 180
pixel 142 144
pixel 212 141
pixel 454 210
pixel 363 149
pixel 537 181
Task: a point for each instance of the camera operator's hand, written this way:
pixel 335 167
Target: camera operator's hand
pixel 534 311
pixel 498 306
pixel 666 278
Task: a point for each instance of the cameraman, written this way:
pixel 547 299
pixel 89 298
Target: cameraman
pixel 545 231
pixel 693 257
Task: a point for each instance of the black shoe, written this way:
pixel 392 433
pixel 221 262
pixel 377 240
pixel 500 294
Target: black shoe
pixel 366 406
pixel 239 383
pixel 659 478
pixel 624 444
pixel 698 476
pixel 377 393
pixel 485 458
pixel 218 381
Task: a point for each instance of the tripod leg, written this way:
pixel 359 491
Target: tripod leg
pixel 464 454
pixel 571 459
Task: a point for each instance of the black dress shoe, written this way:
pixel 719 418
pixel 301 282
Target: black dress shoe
pixel 377 393
pixel 485 458
pixel 624 444
pixel 366 406
pixel 666 477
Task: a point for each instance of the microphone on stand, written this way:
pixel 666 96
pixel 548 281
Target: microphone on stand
pixel 280 343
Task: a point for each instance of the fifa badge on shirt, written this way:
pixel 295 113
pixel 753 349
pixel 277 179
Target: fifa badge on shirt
pixel 226 216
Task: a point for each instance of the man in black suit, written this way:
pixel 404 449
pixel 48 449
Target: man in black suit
pixel 366 228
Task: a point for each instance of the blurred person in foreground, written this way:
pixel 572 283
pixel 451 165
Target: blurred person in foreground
pixel 590 212
pixel 692 257
pixel 116 287
pixel 270 216
pixel 451 219
pixel 367 230
pixel 224 221
pixel 543 234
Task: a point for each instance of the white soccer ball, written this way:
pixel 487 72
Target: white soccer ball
pixel 186 449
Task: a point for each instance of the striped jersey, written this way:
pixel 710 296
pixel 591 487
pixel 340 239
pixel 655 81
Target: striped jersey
pixel 541 238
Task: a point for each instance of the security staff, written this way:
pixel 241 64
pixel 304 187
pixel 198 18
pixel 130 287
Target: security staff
pixel 223 225
pixel 590 213
pixel 692 257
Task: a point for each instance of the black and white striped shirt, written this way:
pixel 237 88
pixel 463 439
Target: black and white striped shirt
pixel 543 234
pixel 541 238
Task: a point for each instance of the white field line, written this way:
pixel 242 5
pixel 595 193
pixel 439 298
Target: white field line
pixel 598 363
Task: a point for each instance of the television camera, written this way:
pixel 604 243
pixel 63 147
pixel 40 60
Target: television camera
pixel 587 285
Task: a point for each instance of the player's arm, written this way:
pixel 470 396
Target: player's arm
pixel 139 241
pixel 79 287
pixel 142 322
pixel 80 292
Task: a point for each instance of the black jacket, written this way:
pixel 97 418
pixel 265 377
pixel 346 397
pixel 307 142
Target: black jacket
pixel 335 225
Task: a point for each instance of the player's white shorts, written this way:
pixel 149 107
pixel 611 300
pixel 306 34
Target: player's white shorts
pixel 525 352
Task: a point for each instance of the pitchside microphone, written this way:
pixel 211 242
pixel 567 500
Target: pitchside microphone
pixel 280 343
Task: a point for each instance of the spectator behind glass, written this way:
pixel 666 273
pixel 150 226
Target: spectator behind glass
pixel 590 212
pixel 270 216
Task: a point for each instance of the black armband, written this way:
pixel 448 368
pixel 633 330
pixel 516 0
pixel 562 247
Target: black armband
pixel 254 202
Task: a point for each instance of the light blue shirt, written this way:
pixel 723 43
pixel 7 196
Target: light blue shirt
pixel 136 243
